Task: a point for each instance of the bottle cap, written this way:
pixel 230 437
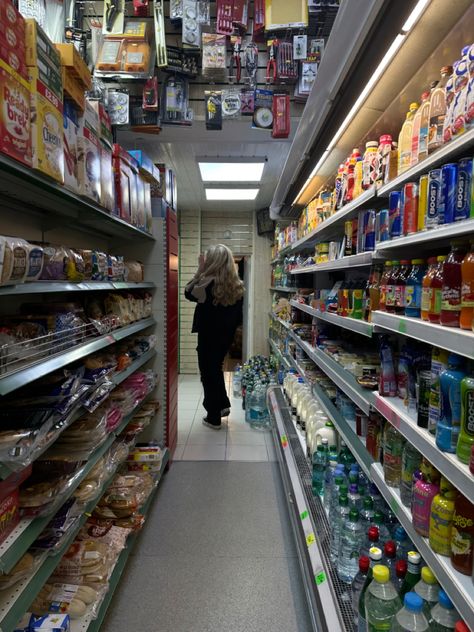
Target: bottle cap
pixel 418 262
pixel 390 549
pixel 446 70
pixel 413 602
pixel 395 263
pixel 414 557
pixel 378 517
pixel 381 573
pixel 343 501
pixel 373 534
pixel 428 576
pixel 353 489
pixel 425 95
pixel 354 514
pixel 401 568
pixel 385 139
pixel 364 564
pixel 371 143
pixel 368 503
pixel 343 489
pixel 324 441
pixel 444 600
pixel 432 260
pixel 414 105
pixel 454 360
pixel 405 262
pixel 338 480
pixel 461 627
pixel 441 258
pixel 375 553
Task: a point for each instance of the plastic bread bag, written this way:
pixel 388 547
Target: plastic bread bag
pixel 15 260
pixel 85 562
pixel 17 446
pixel 43 495
pixel 75 267
pixel 133 272
pixel 105 532
pixel 116 268
pixel 117 454
pixel 51 538
pixel 35 262
pixel 54 266
pixel 99 266
pixel 98 395
pixel 22 569
pixel 75 600
pixel 99 366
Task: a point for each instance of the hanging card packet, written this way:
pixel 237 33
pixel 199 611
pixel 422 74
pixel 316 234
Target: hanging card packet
pixel 176 9
pixel 213 110
pixel 160 34
pixel 247 102
pixel 300 44
pixel 225 13
pixel 191 29
pixel 231 103
pixel 204 12
pixel 114 12
pixel 262 116
pixel 281 116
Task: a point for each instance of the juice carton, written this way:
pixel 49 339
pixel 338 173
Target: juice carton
pixel 15 138
pixel 89 153
pixel 46 127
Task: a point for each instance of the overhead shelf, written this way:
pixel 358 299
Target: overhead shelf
pixel 359 326
pixel 442 233
pixel 453 339
pixel 458 586
pixel 20 378
pixel 53 287
pixel 280 288
pixel 278 353
pixel 354 261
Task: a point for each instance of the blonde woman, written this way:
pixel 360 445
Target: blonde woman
pixel 218 292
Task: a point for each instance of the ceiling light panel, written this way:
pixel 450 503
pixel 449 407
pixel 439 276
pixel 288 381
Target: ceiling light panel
pixel 231 171
pixel 231 194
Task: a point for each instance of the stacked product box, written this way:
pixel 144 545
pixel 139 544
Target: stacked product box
pixel 71 151
pixel 89 154
pixel 15 138
pixel 149 175
pixel 125 172
pixel 107 184
pixel 75 74
pixel 43 62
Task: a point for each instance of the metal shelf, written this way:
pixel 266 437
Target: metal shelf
pixel 442 233
pixel 458 586
pixel 339 217
pixel 282 322
pixel 26 190
pixel 393 409
pixel 280 288
pixel 451 338
pixel 363 259
pixel 359 326
pixel 278 353
pixel 22 377
pixel 52 287
pixel 444 154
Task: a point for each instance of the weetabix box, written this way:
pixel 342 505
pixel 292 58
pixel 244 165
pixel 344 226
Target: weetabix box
pixel 88 144
pixel 39 49
pixel 15 112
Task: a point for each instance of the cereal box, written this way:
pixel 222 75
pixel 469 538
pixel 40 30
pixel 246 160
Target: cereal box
pixel 71 167
pixel 89 154
pixel 15 138
pixel 39 48
pixel 11 18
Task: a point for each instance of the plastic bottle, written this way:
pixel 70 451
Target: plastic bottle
pixel 387 379
pixel 390 287
pixel 237 382
pixel 411 460
pixel 411 617
pixel 387 273
pixel 438 110
pixel 367 513
pixel 428 589
pixel 443 615
pixel 400 286
pixel 351 533
pixel 331 472
pixel 451 290
pixel 462 535
pixel 381 600
pixel 371 539
pixel 346 457
pixel 425 123
pixel 393 443
pixel 403 542
pixel 375 557
pixel 422 112
pixel 327 432
pixel 405 140
pixel 401 568
pixel 461 80
pixel 257 407
pixel 413 575
pixel 320 459
pixel 339 518
pixel 436 291
pixel 439 362
pixel 339 488
pixel 379 522
pixel 390 557
pixel 449 424
pixel 466 433
pixel 369 164
pixel 382 158
pixel 376 496
pixel 357 586
pixel 461 627
pixel 426 288
pixel 467 290
pixel 424 490
pixel 413 288
pixel 441 521
pixel 355 501
pixel 449 96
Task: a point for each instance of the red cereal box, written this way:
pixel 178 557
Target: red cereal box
pixel 15 137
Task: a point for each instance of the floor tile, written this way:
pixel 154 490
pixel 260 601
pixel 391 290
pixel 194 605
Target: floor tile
pixel 207 436
pixel 178 453
pixel 183 435
pixel 204 453
pixel 246 453
pixel 245 438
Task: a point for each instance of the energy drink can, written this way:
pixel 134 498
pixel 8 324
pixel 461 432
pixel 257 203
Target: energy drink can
pixel 394 214
pixel 424 387
pixel 434 195
pixel 422 201
pixel 447 206
pixel 464 193
pixel 384 230
pixel 348 233
pixel 369 222
pixel 410 208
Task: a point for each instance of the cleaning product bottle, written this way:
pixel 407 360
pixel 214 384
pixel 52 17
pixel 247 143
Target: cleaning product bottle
pixel 413 573
pixel 462 535
pixel 426 288
pixel 438 110
pixel 411 617
pixel 381 600
pixel 466 433
pixel 428 589
pixel 441 520
pixel 416 131
pixel 449 424
pixel 443 615
pixel 467 290
pixel 405 140
pixel 424 490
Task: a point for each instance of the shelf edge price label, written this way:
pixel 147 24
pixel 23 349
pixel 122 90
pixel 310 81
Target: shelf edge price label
pixel 394 505
pixel 402 327
pixel 304 514
pixel 320 578
pixel 284 441
pixel 310 539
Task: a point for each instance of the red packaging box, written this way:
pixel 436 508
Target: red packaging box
pixel 125 173
pixel 240 13
pixel 11 58
pixel 9 501
pixel 12 18
pixel 15 126
pixel 281 116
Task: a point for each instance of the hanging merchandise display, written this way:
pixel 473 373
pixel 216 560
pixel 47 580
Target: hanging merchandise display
pixel 119 106
pixel 214 56
pixel 160 33
pixel 213 110
pixel 191 28
pixel 176 10
pixel 281 115
pixel 281 14
pixel 271 74
pixel 128 52
pixel 251 63
pixel 114 12
pixel 258 18
pixel 204 12
pixel 240 14
pixel 175 101
pixel 247 102
pixel 231 103
pixel 235 65
pixel 224 17
pixel 150 96
pixel 262 116
pixel 140 8
pixel 307 77
pixel 287 67
pixel 300 46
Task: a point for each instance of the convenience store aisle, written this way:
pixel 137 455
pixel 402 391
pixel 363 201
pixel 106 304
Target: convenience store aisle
pixel 217 553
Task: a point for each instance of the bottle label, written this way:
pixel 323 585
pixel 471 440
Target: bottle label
pixel 467 295
pixel 380 626
pixel 413 296
pixel 399 296
pixel 451 299
pixel 468 425
pixel 425 299
pixel 436 301
pixel 390 295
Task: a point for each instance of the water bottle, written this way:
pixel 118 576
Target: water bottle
pixel 384 533
pixel 345 456
pixel 391 521
pixel 320 459
pixel 338 481
pixel 257 408
pixel 375 556
pixel 358 584
pixel 354 497
pixel 329 473
pixel 376 496
pixel 237 382
pixel 347 560
pixel 443 615
pixel 401 568
pixel 389 557
pixel 339 519
pixel 367 513
pixel 371 539
pixel 411 617
pixel 381 600
pixel 403 542
pixel 428 589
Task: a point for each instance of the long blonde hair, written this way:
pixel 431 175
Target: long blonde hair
pixel 219 265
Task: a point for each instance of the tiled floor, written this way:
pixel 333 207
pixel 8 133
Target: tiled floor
pixel 235 441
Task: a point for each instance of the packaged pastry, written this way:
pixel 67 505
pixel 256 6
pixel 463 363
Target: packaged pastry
pixel 22 569
pixel 134 272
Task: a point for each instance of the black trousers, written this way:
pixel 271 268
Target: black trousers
pixel 211 352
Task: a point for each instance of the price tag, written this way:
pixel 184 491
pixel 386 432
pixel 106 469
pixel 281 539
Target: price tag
pixel 304 514
pixel 394 505
pixel 284 441
pixel 402 327
pixel 110 339
pixel 320 578
pixel 385 410
pixel 310 539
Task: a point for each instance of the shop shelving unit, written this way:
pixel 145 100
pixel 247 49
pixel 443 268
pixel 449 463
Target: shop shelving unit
pixel 359 326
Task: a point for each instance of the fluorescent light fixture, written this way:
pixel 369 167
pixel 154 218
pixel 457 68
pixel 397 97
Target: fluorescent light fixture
pixel 231 171
pixel 415 15
pixel 231 194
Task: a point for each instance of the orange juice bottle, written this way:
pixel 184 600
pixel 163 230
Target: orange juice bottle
pixel 467 290
pixel 405 139
pixel 426 287
pixel 415 135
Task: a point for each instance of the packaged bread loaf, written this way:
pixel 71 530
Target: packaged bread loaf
pixel 15 260
pixel 134 272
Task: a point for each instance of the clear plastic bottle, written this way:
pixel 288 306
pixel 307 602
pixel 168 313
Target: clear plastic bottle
pixel 444 615
pixel 376 496
pixel 381 600
pixel 390 557
pixel 257 408
pixel 346 457
pixel 379 522
pixel 320 460
pixel 367 513
pixel 401 568
pixel 237 382
pixel 413 575
pixel 354 497
pixel 449 424
pixel 411 461
pixel 403 542
pixel 338 521
pixel 393 443
pixel 428 589
pixel 331 474
pixel 358 585
pixel 375 557
pixel 411 617
pixel 338 481
pixel 347 560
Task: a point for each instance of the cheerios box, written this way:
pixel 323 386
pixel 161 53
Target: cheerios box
pixel 15 107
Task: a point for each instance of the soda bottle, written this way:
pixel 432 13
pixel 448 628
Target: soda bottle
pixel 392 455
pixel 441 521
pixel 449 424
pixel 424 490
pixel 381 600
pixel 339 519
pixel 358 585
pixel 405 140
pixel 411 617
pixel 426 288
pixel 416 133
pixel 401 568
pixel 451 289
pixel 411 460
pixel 467 290
pixel 375 556
pixel 320 460
pixel 443 615
pixel 371 539
pixel 387 273
pixel 391 287
pixel 400 286
pixel 413 288
pixel 349 544
pixel 389 557
pixel 438 110
pixel 413 575
pixel 439 362
pixel 367 513
pixel 428 589
pixel 436 291
pixel 462 535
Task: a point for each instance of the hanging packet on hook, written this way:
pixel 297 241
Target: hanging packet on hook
pixel 114 12
pixel 300 45
pixel 231 103
pixel 176 9
pixel 247 102
pixel 160 34
pixel 213 109
pixel 262 116
pixel 191 29
pixel 204 12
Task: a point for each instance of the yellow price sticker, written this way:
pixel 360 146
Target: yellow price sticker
pixel 310 539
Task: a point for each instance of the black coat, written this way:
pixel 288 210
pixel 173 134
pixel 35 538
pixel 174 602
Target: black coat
pixel 214 320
